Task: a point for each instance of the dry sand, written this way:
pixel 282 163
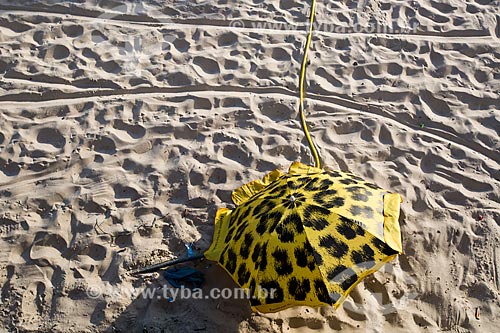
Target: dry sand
pixel 121 135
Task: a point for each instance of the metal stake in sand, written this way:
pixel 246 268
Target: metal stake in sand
pixel 159 266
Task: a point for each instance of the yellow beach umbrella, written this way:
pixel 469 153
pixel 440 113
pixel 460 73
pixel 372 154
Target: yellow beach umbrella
pixel 306 237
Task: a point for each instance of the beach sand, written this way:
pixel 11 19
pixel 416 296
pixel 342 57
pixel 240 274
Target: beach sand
pixel 123 129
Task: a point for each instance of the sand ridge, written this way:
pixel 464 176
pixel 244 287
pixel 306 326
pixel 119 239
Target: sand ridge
pixel 113 155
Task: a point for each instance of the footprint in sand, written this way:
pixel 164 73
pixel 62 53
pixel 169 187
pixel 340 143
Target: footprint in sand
pixel 52 137
pixel 134 131
pixel 104 145
pixel 9 168
pixel 205 65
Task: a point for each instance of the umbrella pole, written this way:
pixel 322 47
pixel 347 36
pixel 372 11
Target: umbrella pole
pixel 157 267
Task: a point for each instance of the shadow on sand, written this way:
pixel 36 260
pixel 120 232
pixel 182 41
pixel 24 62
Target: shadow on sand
pixel 158 314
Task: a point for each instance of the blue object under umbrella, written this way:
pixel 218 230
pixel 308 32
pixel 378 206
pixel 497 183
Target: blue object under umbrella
pixel 184 277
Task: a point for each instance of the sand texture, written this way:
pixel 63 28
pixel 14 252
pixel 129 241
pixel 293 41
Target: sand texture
pixel 124 129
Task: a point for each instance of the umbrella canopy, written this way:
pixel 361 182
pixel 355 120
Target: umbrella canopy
pixel 306 237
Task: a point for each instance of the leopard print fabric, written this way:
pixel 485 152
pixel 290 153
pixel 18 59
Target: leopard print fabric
pixel 303 238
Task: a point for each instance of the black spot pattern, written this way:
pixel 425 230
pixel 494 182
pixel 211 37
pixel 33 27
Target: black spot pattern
pixel 335 202
pixel 362 210
pixel 360 197
pixel 294 222
pixel 322 291
pixel 359 230
pixel 245 247
pixel 251 286
pixel 263 257
pixel 283 265
pixel 285 235
pixel 256 252
pixel 325 184
pixel 318 258
pixel 368 250
pixel 294 184
pixel 372 186
pixel 383 247
pixel 229 235
pixel 315 210
pixel 298 288
pixel 316 223
pixel 347 228
pixel 357 178
pixel 335 247
pixel 343 276
pixel 325 193
pixel 243 274
pixel 261 226
pixel 335 273
pixel 304 256
pixel 291 226
pixel 274 291
pixel 255 301
pixel 312 185
pixel 257 210
pixel 277 194
pixel 243 214
pixel 364 258
pixel 231 261
pixel 267 222
pixel 300 256
pixel 334 174
pixel 359 193
pixel 223 253
pixel 275 184
pixel 259 256
pixel 263 207
pixel 329 192
pixel 272 221
pixel 304 180
pixel 279 186
pixel 253 298
pixel 318 198
pixel 312 264
pixel 350 278
pixel 239 231
pixel 233 219
pixel 348 181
